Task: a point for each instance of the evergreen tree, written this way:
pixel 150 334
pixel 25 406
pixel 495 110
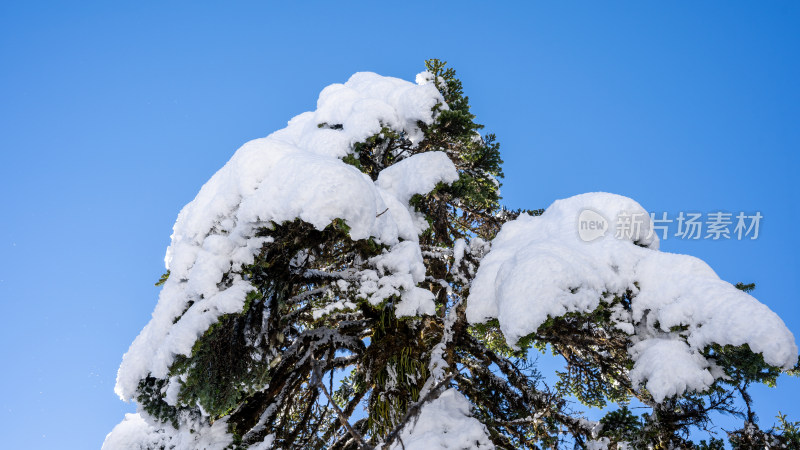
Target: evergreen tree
pixel 332 337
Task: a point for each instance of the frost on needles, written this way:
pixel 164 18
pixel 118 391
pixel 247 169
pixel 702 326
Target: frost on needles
pixel 351 281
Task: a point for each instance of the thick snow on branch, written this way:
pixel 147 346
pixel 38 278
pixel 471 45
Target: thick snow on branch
pixel 417 175
pixel 539 267
pixel 136 432
pixel 295 173
pixel 444 423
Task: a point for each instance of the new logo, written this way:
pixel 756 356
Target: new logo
pixel 591 225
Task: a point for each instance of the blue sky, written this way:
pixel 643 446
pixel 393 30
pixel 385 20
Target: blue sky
pixel 112 116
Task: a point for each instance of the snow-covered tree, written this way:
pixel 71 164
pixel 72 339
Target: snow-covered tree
pixel 352 281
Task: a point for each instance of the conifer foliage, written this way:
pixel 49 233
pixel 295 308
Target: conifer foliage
pixel 326 290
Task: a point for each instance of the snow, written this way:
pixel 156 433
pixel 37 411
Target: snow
pixel 445 423
pixel 536 262
pixel 266 444
pixel 136 432
pixel 599 444
pixel 541 267
pixel 437 365
pixel 417 175
pixel 400 269
pixel 669 367
pixel 331 307
pixel 536 267
pixel 296 173
pixel 459 247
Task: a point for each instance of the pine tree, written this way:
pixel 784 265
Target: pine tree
pixel 338 341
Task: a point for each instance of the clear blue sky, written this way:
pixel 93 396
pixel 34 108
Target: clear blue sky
pixel 112 117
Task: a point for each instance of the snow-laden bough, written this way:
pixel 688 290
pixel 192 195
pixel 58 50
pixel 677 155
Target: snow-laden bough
pixel 540 267
pixel 296 173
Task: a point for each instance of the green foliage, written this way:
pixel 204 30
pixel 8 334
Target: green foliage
pixel 150 397
pixel 795 371
pixel 713 444
pixel 163 279
pixel 397 384
pixel 219 372
pixel 379 151
pixel 353 160
pixel 743 366
pixel 621 425
pixel 221 369
pixel 351 385
pixel 592 376
pixel 477 157
pixel 788 432
pixel 489 333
